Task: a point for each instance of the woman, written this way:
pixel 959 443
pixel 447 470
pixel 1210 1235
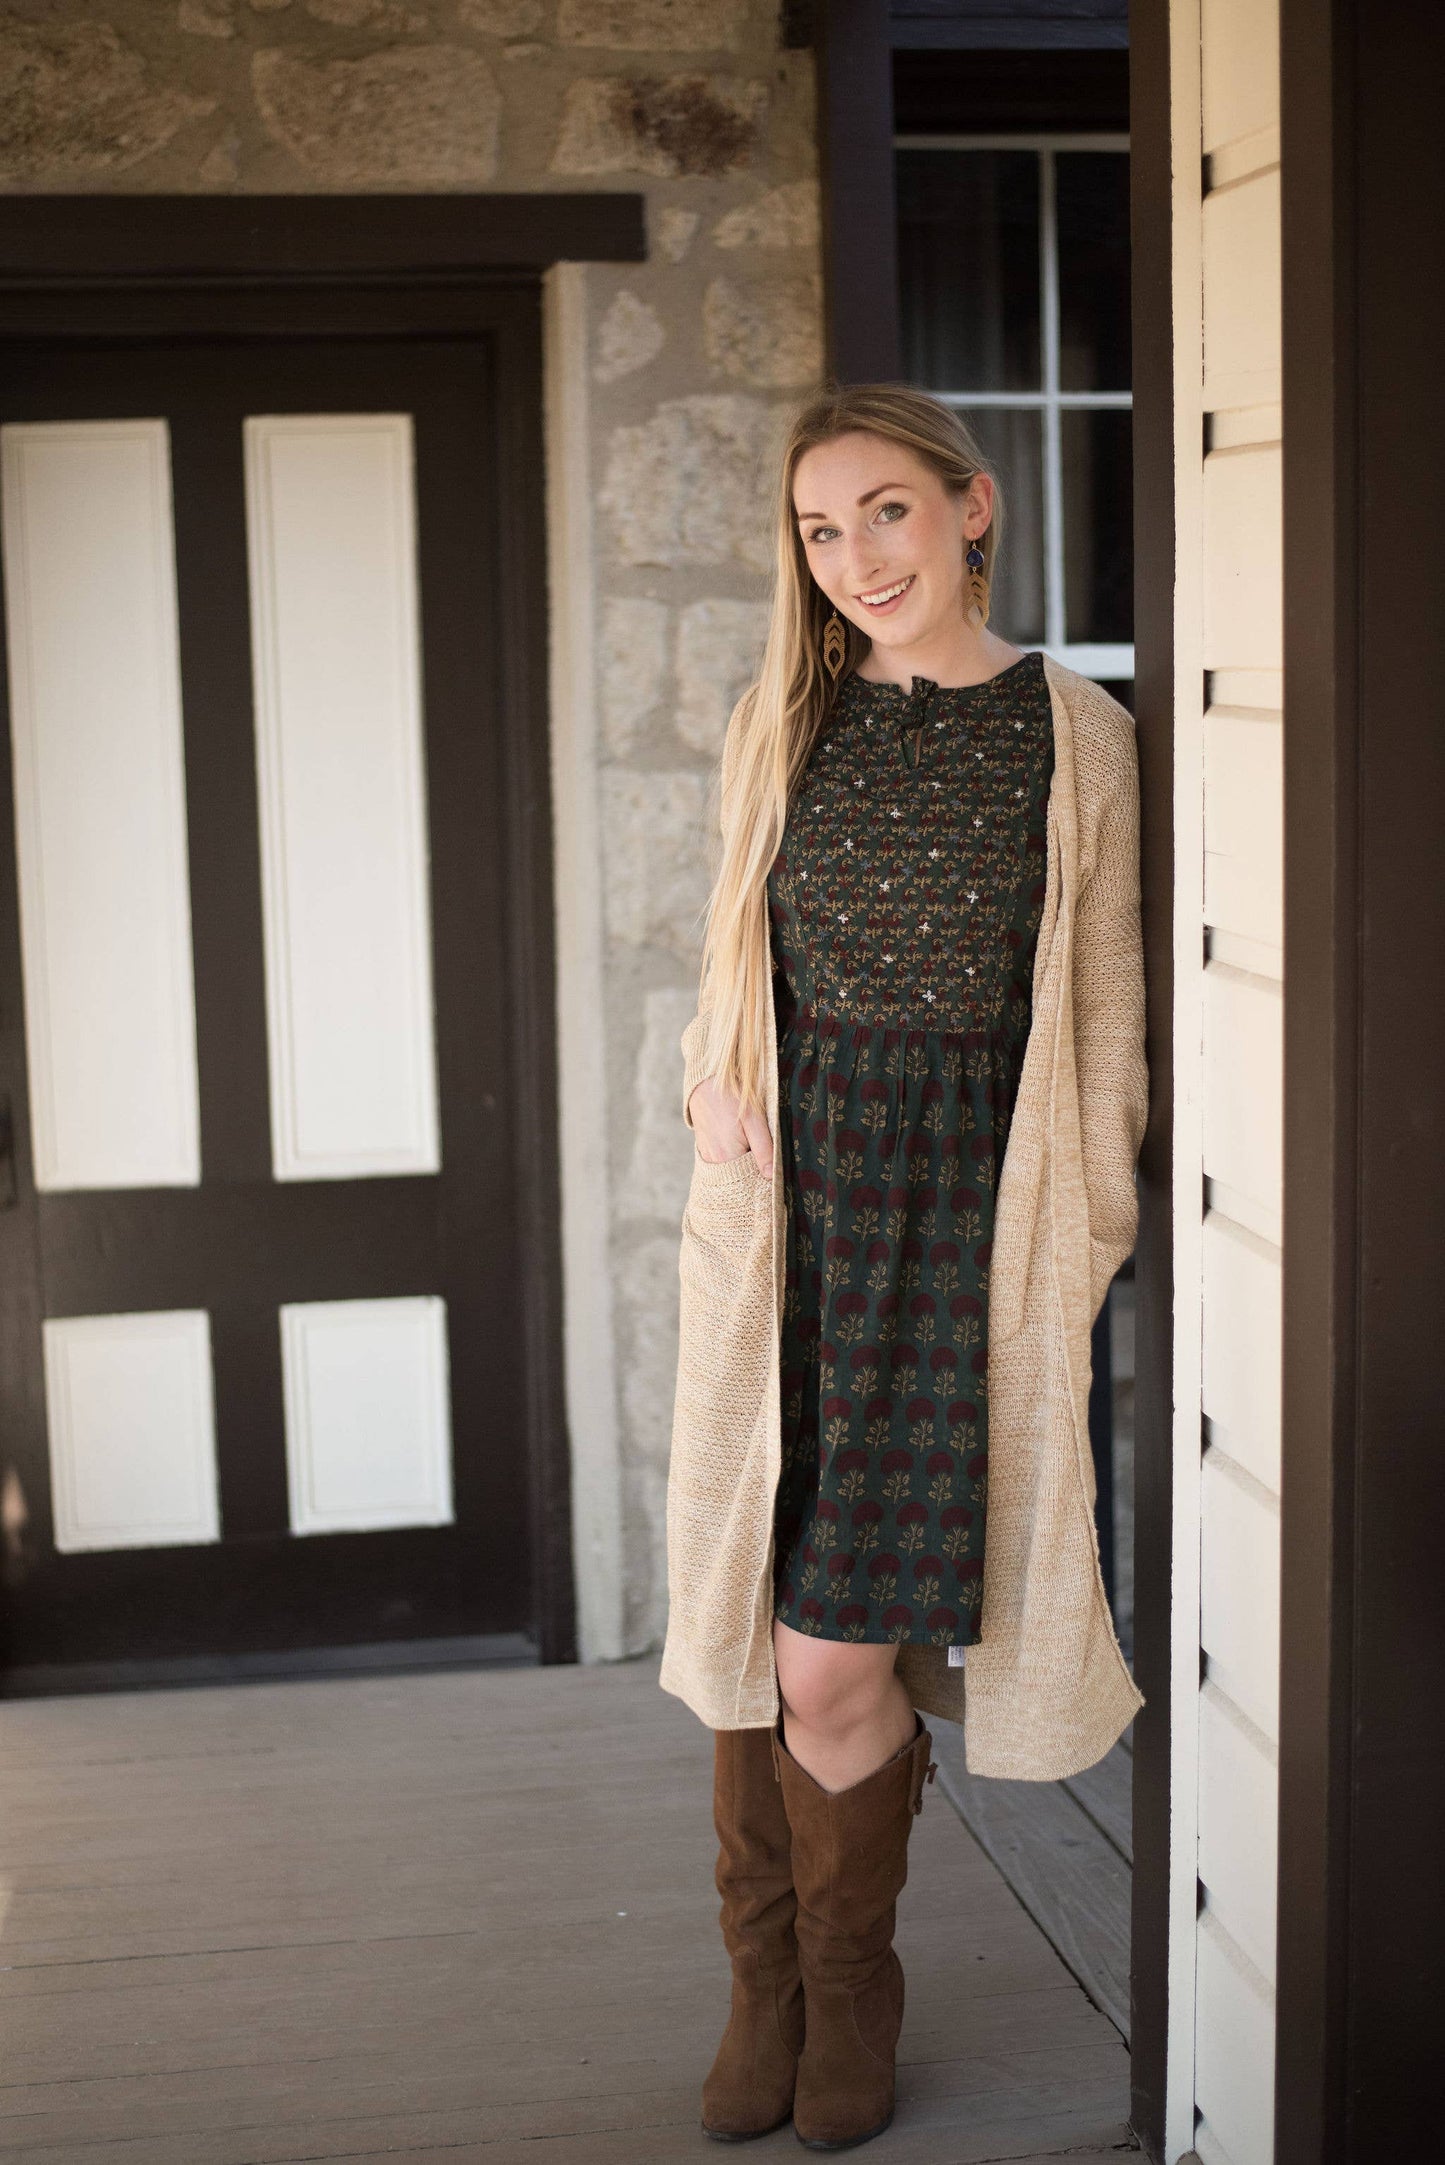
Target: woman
pixel 917 1084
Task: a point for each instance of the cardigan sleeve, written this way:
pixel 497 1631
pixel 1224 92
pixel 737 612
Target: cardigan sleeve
pixel 695 1066
pixel 1108 983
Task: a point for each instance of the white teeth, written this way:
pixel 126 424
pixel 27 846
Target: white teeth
pixel 886 593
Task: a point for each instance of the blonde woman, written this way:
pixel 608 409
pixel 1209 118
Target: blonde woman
pixel 917 1085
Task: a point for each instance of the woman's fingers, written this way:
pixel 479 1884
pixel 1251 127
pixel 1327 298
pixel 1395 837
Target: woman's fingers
pixel 715 1121
pixel 760 1142
pixel 722 1132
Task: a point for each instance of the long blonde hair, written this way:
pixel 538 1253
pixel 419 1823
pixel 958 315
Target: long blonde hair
pixel 782 713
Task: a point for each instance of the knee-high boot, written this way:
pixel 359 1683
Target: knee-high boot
pixel 750 2088
pixel 850 1861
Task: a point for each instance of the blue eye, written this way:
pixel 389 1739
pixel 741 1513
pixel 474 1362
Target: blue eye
pixel 885 509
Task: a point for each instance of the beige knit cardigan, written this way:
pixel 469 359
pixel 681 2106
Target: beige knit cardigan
pixel 1047 1690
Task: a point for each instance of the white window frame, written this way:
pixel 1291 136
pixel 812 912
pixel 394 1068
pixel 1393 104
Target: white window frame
pixel 1091 660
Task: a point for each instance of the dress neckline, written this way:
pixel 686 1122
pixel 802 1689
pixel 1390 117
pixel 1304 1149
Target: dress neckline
pixel 928 687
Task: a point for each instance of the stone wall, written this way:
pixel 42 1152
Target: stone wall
pixel 690 359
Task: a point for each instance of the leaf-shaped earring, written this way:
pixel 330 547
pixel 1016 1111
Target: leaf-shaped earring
pixel 835 645
pixel 975 606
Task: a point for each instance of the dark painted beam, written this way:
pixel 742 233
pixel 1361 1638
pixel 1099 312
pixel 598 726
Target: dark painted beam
pixel 992 25
pixel 998 93
pixel 855 149
pixel 60 237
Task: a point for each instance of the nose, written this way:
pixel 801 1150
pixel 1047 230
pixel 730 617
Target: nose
pixel 864 566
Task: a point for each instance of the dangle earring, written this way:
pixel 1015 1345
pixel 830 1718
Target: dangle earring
pixel 835 645
pixel 976 588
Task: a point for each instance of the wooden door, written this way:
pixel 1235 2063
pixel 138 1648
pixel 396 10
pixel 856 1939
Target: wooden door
pixel 264 1371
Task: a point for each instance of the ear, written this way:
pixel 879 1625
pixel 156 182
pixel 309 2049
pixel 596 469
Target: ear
pixel 978 506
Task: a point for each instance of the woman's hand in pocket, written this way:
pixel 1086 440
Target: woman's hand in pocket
pixel 723 1131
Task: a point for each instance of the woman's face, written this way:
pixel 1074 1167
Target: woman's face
pixel 884 538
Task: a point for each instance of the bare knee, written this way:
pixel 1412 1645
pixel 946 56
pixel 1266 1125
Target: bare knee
pixel 834 1689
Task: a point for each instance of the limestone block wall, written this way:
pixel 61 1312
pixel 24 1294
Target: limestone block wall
pixel 681 368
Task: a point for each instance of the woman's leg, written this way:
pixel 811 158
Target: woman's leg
pixel 844 1711
pixel 853 1765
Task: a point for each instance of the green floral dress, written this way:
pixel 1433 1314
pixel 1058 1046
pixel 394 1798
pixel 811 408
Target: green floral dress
pixel 904 907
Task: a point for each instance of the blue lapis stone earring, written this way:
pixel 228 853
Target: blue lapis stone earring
pixel 976 596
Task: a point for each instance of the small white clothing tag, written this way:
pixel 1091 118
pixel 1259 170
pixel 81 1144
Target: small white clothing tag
pixel 955 1656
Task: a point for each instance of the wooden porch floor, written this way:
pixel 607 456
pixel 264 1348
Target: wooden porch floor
pixel 463 1915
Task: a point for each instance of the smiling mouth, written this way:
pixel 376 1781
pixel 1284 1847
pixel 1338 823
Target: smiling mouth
pixel 882 595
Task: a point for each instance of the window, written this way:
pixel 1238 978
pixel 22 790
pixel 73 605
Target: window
pixel 1013 256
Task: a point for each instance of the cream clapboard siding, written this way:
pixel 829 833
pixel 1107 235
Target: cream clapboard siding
pixel 1228 1021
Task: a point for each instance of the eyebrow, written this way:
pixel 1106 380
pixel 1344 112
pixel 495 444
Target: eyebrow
pixel 861 501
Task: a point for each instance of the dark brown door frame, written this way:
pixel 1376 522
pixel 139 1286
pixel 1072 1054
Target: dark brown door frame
pixel 1361 1974
pixel 147 266
pixel 1152 256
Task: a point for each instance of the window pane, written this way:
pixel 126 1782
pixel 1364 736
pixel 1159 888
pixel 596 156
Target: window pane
pixel 1098 525
pixel 1012 442
pixel 1092 200
pixel 968 268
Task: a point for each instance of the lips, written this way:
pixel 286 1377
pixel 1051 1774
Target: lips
pixel 883 598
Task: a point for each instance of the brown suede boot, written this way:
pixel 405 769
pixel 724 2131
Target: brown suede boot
pixel 750 2089
pixel 850 1860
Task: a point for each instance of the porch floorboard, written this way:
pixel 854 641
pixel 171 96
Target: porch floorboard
pixel 466 1914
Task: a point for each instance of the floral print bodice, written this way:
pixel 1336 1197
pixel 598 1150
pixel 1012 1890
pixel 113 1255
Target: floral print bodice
pixel 918 828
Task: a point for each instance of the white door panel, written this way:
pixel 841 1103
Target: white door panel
pixel 331 533
pixel 368 1427
pixel 100 814
pixel 130 1405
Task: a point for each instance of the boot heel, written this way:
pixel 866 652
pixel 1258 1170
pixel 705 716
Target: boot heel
pixel 848 2142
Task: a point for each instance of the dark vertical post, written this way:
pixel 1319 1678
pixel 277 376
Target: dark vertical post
pixel 1152 255
pixel 1396 1719
pixel 519 452
pixel 1362 1761
pixel 1320 1028
pixel 855 150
